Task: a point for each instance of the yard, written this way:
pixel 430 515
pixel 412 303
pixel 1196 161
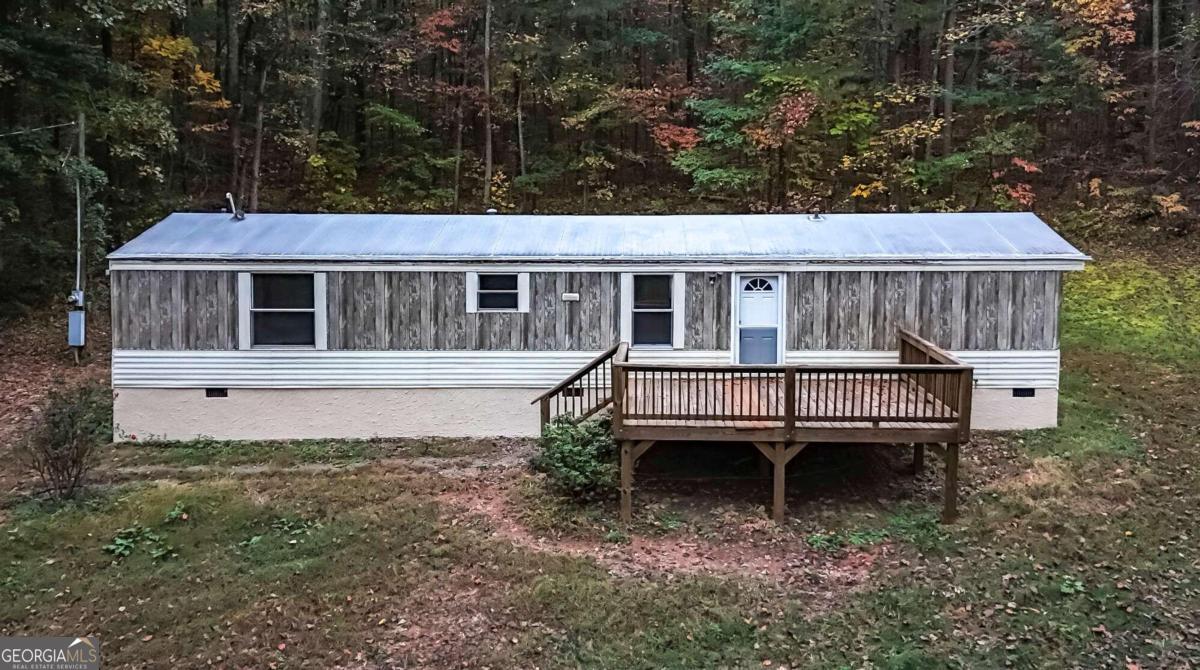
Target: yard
pixel 1077 547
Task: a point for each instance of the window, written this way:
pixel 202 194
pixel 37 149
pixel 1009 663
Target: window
pixel 652 309
pixel 652 316
pixel 281 310
pixel 497 292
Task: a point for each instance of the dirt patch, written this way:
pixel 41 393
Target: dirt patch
pixel 779 559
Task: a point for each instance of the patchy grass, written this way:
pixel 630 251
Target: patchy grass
pixel 1087 425
pixel 291 453
pixel 1076 548
pixel 1134 306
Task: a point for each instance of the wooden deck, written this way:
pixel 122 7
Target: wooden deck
pixel 924 399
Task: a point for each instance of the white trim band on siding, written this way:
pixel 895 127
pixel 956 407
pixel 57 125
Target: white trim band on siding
pixel 993 369
pixel 667 265
pixel 484 369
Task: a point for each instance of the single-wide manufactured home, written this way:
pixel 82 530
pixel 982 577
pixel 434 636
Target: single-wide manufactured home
pixel 345 325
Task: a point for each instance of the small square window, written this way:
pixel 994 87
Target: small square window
pixel 498 292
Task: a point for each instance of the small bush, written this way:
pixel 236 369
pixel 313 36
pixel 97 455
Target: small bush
pixel 61 446
pixel 580 459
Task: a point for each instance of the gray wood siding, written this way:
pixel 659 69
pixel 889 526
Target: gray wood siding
pixel 197 310
pixel 174 310
pixel 427 311
pixel 957 310
pixel 707 307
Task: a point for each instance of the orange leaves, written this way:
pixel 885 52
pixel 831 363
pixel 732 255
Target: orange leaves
pixel 672 137
pixel 791 113
pixel 1025 165
pixel 1021 193
pixel 438 29
pixel 1111 19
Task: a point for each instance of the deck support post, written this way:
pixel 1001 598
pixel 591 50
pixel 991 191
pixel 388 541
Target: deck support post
pixel 779 454
pixel 626 482
pixel 780 481
pixel 630 453
pixel 950 502
pixel 918 462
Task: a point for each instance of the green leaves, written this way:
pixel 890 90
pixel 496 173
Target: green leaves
pixel 578 458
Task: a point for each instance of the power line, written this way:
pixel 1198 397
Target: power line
pixel 34 130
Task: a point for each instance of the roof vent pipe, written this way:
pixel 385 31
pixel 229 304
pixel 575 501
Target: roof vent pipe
pixel 238 214
pixel 815 216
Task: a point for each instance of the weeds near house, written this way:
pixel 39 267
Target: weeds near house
pixel 61 446
pixel 579 459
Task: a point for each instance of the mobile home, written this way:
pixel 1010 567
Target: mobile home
pixel 277 326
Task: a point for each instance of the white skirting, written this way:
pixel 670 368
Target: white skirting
pixel 276 414
pixel 307 369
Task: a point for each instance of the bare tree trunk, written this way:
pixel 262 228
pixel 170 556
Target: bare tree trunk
pixel 1152 120
pixel 1191 13
pixel 320 67
pixel 256 160
pixel 487 104
pixel 948 84
pixel 458 148
pixel 520 124
pixel 233 90
pixel 689 42
pixel 935 58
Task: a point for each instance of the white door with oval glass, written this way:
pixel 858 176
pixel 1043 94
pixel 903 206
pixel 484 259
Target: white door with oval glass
pixel 758 319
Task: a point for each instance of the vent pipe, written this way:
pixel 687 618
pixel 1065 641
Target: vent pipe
pixel 238 214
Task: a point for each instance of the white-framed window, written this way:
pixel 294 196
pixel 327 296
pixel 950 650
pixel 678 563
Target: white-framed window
pixel 497 292
pixel 652 309
pixel 281 310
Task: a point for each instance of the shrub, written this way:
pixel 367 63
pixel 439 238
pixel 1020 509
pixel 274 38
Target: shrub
pixel 61 446
pixel 580 459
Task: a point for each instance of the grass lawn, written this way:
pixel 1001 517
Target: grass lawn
pixel 1077 547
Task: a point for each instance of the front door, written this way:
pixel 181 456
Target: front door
pixel 758 319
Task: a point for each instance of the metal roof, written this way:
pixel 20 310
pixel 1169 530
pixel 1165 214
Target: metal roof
pixel 1010 236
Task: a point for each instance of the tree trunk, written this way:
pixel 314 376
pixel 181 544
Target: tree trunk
pixel 1190 62
pixel 233 90
pixel 520 123
pixel 1152 117
pixel 320 65
pixel 458 144
pixel 487 104
pixel 948 84
pixel 689 42
pixel 256 160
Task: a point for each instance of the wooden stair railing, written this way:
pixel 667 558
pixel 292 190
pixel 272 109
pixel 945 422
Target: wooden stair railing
pixel 587 391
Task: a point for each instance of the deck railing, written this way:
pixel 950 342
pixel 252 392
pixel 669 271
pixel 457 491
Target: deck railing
pixel 585 392
pixel 929 385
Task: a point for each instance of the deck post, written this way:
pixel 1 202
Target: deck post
pixel 618 398
pixel 780 479
pixel 918 462
pixel 545 406
pixel 626 482
pixel 789 403
pixel 950 502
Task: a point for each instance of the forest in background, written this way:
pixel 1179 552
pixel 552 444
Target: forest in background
pixel 1085 111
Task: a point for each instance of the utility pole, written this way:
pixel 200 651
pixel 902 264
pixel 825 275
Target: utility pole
pixel 76 317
